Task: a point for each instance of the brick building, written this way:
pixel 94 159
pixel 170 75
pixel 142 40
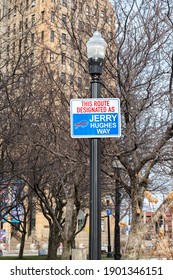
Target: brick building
pixel 162 220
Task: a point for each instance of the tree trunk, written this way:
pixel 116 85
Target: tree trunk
pixel 69 227
pixel 135 237
pixel 66 254
pixel 22 245
pixel 136 231
pixel 54 241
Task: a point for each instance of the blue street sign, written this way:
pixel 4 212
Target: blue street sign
pixel 108 212
pixel 95 118
pixel 127 228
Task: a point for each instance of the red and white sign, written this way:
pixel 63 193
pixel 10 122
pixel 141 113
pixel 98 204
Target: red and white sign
pixel 89 106
pixel 95 117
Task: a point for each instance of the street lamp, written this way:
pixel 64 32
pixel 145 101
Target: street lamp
pixel 108 211
pixel 96 49
pixel 117 246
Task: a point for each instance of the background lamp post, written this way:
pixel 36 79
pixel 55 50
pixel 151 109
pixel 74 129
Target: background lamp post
pixel 96 49
pixel 108 211
pixel 117 246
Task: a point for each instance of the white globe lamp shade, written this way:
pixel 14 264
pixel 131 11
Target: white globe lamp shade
pixel 96 46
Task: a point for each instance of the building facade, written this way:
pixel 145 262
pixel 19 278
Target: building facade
pixel 55 32
pixel 163 222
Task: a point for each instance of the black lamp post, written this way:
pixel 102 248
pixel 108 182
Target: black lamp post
pixel 117 246
pixel 109 253
pixel 96 49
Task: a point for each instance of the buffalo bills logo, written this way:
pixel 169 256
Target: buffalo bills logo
pixel 81 124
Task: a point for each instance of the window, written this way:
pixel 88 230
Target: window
pixel 87 10
pixel 27 4
pixel 20 26
pixel 94 12
pixel 8 31
pixel 80 7
pixel 42 16
pixel 33 20
pixel 80 25
pixel 63 20
pixel 14 28
pixel 52 17
pixel 94 28
pixel 87 27
pixel 80 223
pixel 64 3
pixel 63 77
pixel 32 58
pixel 25 42
pixel 21 7
pixel 52 33
pixel 87 84
pixel 33 4
pixel 20 45
pixel 73 5
pixel 79 82
pixel 42 36
pixel 26 23
pixel 13 47
pixel 71 80
pixel 110 20
pixel 73 21
pixel 63 58
pixel 8 50
pixel 51 73
pixel 9 13
pixel 81 219
pixel 72 61
pixel 102 15
pixel 12 66
pixel 79 61
pixel 80 44
pixel 51 56
pixel 15 11
pixel 64 38
pixel 110 35
pixel 32 38
pixel 73 42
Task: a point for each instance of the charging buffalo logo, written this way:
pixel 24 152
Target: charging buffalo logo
pixel 81 124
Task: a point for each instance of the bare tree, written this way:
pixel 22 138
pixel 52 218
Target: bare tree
pixel 143 76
